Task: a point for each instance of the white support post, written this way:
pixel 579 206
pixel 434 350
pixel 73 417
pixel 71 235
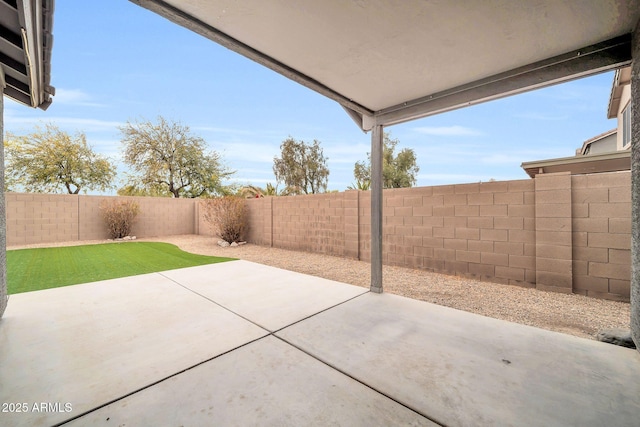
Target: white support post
pixel 377 139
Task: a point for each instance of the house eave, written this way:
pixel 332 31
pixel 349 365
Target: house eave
pixel 595 163
pixel 621 78
pixel 26 43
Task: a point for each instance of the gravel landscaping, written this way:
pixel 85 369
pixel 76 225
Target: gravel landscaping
pixel 568 313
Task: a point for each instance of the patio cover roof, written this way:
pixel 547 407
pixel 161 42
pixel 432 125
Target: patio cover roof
pixel 387 62
pixel 25 50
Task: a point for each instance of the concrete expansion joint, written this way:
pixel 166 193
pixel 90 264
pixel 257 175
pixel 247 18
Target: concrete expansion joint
pixel 268 333
pixel 175 374
pixel 326 363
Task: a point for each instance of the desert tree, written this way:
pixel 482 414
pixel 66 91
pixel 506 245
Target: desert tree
pixel 398 170
pixel 166 156
pixel 51 160
pixel 301 167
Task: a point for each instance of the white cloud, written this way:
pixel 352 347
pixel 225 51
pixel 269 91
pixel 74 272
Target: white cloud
pixel 74 97
pixel 94 124
pixel 448 131
pixel 75 123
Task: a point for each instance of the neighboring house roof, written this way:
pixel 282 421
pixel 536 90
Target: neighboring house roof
pixel 621 78
pixel 595 163
pixel 586 160
pixel 25 50
pixel 585 145
pixel 388 62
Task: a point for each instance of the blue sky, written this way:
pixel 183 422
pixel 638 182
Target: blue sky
pixel 114 61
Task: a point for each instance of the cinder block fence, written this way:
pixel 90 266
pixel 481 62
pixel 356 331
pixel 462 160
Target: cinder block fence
pixel 556 232
pixel 51 218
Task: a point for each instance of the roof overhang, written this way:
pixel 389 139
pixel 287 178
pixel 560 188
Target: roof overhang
pixel 621 78
pixel 388 62
pixel 594 163
pixel 25 50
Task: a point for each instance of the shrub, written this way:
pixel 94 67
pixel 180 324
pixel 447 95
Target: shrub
pixel 119 217
pixel 227 216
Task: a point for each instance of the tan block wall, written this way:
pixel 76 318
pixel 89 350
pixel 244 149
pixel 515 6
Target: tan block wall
pixel 41 218
pixel 260 221
pixel 601 255
pixel 480 230
pixel 314 223
pixel 553 227
pixel 52 218
pixel 557 232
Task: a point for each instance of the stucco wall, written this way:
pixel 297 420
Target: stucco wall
pixel 625 98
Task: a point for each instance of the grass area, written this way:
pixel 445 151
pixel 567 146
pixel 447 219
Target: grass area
pixel 44 268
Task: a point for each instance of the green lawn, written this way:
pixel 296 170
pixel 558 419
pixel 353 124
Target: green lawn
pixel 44 268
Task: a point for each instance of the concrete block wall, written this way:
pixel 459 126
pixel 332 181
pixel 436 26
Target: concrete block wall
pixel 557 232
pixel 601 237
pixel 315 223
pixel 41 218
pixel 51 218
pixel 553 225
pixel 260 216
pixel 480 230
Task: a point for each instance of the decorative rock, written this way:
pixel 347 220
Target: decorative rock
pixel 617 336
pixel 133 237
pixel 242 243
pixel 223 243
pixel 233 244
pixel 126 238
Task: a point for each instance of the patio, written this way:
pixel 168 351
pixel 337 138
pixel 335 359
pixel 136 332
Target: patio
pixel 240 343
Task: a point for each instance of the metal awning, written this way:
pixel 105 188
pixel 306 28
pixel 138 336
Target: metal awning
pixel 388 62
pixel 25 50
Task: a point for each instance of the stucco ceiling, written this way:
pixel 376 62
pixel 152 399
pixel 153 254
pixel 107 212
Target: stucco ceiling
pixel 389 61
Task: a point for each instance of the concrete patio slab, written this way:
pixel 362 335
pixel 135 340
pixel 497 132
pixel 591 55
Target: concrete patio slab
pixel 266 382
pixel 271 297
pixel 463 369
pixel 169 348
pixel 87 345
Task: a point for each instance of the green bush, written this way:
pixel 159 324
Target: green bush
pixel 227 216
pixel 119 217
